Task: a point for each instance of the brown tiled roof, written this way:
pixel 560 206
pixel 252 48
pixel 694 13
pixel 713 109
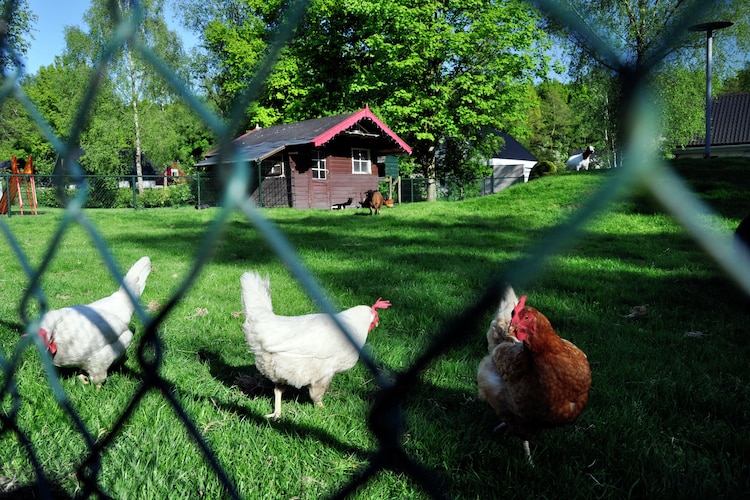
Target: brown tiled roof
pixel 730 121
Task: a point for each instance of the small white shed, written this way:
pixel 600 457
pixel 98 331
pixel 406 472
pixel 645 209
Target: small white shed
pixel 511 165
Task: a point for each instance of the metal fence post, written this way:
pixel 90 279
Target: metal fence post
pixel 198 182
pixel 135 198
pixel 260 184
pixel 5 181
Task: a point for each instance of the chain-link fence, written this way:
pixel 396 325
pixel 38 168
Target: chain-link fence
pixel 640 169
pixel 203 190
pixel 117 191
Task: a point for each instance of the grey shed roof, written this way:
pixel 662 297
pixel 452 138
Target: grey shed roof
pixel 730 121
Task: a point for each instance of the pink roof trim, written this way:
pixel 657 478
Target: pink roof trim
pixel 351 120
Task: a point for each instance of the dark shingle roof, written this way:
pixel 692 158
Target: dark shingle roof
pixel 260 143
pixel 730 121
pixel 291 133
pixel 512 149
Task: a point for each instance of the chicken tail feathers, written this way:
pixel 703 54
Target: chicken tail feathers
pixel 119 303
pixel 256 292
pixel 499 327
pixel 507 305
pixel 135 280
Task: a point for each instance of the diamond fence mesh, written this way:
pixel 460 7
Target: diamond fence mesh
pixel 640 169
pixel 202 191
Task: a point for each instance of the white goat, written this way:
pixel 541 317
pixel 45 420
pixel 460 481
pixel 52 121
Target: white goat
pixel 580 161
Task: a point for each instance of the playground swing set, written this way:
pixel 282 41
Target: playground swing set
pixel 13 191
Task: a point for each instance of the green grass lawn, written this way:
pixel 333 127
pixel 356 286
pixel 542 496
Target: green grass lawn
pixel 668 416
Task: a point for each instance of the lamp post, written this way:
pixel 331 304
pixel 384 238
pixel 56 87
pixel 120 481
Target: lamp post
pixel 709 28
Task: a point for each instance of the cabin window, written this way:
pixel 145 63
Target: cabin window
pixel 319 165
pixel 174 172
pixel 360 161
pixel 272 166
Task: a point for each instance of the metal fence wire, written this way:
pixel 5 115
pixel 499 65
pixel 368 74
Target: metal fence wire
pixel 641 169
pixel 204 190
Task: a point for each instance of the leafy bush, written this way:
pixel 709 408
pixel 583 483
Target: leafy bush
pixel 107 197
pixel 181 194
pixel 123 198
pixel 102 191
pixel 47 197
pixel 178 195
pixel 542 168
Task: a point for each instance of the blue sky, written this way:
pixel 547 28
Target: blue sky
pixel 48 33
pixel 53 16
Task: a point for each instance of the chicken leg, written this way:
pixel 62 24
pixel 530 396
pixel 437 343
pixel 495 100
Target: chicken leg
pixel 318 388
pixel 277 390
pixel 527 449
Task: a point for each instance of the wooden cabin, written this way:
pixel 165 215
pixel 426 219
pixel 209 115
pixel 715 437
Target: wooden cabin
pixel 314 163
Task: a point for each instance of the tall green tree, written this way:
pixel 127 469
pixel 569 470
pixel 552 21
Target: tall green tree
pixel 17 135
pixel 58 91
pixel 739 82
pixel 553 128
pixel 15 35
pixel 632 38
pixel 133 80
pixel 682 92
pixel 430 68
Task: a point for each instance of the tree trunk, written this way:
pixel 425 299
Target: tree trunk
pixel 133 88
pixel 132 73
pixel 431 176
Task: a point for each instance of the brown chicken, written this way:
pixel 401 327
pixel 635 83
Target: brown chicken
pixel 532 378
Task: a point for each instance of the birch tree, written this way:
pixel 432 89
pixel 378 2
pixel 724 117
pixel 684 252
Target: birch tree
pixel 133 79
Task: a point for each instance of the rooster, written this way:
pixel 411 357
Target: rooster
pixel 94 336
pixel 301 350
pixel 532 378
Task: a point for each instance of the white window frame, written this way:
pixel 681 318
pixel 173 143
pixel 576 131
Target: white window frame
pixel 361 162
pixel 319 170
pixel 273 166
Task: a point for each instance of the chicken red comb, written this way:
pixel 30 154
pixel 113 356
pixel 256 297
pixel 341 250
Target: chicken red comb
pixel 381 304
pixel 521 304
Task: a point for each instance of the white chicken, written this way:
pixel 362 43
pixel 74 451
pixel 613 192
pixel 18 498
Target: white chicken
pixel 94 336
pixel 301 350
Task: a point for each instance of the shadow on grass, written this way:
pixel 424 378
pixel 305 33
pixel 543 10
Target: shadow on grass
pixel 118 367
pixel 254 385
pixel 248 379
pixel 33 491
